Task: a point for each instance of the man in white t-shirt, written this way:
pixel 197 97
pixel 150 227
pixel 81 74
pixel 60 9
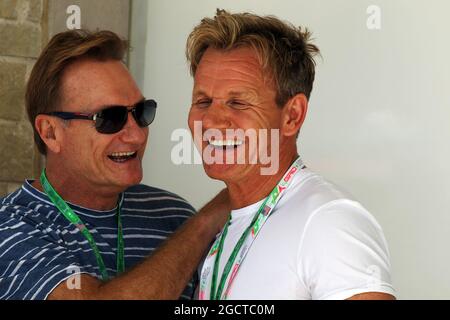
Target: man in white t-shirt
pixel 291 233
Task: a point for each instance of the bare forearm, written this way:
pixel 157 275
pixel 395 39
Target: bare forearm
pixel 166 273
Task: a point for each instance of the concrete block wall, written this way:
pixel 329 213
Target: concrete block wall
pixel 23 32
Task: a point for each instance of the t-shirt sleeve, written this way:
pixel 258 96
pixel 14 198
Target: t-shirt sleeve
pixel 343 252
pixel 33 259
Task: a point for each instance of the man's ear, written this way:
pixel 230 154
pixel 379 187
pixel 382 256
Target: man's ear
pixel 293 115
pixel 49 130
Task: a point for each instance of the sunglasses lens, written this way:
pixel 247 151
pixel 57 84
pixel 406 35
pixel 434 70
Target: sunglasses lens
pixel 111 120
pixel 145 112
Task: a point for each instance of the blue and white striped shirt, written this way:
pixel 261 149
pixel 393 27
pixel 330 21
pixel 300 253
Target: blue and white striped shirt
pixel 40 248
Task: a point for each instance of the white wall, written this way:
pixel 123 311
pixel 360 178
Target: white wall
pixel 377 123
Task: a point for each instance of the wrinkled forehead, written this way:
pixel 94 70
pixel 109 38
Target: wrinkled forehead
pixel 242 57
pixel 90 83
pixel 239 65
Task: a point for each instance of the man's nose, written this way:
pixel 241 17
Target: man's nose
pixel 132 132
pixel 216 116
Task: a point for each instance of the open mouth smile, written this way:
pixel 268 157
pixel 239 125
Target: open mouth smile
pixel 225 144
pixel 122 156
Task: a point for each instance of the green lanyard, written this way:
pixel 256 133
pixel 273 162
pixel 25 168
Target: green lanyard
pixel 215 295
pixel 245 241
pixel 70 215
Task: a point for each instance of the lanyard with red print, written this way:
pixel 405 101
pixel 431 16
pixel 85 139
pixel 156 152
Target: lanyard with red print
pixel 210 268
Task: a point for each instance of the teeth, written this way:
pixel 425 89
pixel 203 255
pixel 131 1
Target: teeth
pixel 221 143
pixel 122 154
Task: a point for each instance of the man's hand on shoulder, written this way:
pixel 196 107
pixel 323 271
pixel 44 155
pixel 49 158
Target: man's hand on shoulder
pixel 217 211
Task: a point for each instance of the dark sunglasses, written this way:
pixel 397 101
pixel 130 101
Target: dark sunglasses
pixel 112 119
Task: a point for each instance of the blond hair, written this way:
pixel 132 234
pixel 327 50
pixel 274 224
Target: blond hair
pixel 283 49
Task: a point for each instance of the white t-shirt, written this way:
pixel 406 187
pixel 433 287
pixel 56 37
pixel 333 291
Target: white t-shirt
pixel 318 243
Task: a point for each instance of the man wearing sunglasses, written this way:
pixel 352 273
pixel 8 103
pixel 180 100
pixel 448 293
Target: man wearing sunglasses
pixel 86 229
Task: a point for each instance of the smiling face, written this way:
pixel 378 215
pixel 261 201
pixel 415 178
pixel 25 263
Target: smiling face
pixel 106 161
pixel 231 91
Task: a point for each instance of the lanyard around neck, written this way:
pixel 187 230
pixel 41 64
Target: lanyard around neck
pixel 244 243
pixel 72 217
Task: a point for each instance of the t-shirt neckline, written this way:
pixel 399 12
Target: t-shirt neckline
pixel 41 196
